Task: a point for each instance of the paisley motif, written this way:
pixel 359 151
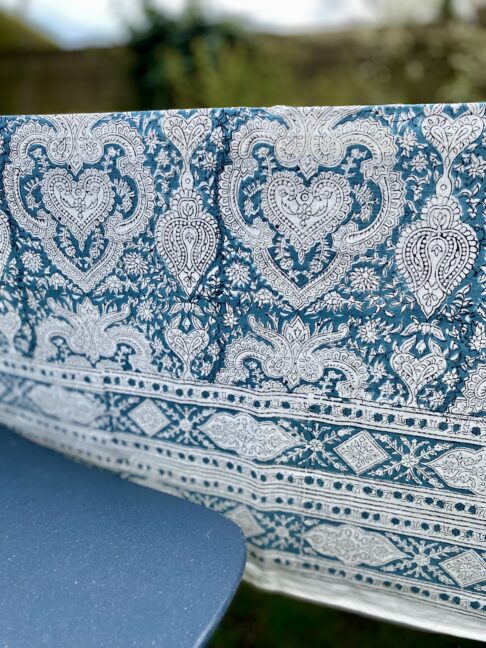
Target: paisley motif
pixel 295 355
pixel 463 469
pixel 186 344
pixel 437 253
pixel 473 397
pixel 247 437
pixel 91 336
pixel 451 136
pixel 417 372
pixel 187 235
pixel 187 238
pixel 352 545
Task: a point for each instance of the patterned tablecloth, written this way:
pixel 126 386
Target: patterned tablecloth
pixel 277 313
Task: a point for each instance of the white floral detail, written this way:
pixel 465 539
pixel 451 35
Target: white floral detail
pixel 66 404
pixel 364 279
pixel 295 355
pixel 187 345
pixel 248 437
pixel 478 339
pixel 304 213
pixel 244 518
pixel 81 202
pixel 92 334
pixel 352 545
pixel 473 399
pixel 5 245
pixel 149 418
pixel 238 274
pixel 463 468
pixel 437 252
pixel 415 372
pixel 466 569
pixel 187 236
pixel 10 324
pixel 361 452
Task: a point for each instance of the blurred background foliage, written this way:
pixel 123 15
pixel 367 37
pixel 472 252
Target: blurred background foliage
pixel 190 61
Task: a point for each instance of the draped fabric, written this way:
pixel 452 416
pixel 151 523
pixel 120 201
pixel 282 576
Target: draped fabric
pixel 277 313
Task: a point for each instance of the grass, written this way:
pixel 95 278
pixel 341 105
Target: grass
pixel 258 619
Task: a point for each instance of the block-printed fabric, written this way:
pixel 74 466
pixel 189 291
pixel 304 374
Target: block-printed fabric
pixel 277 313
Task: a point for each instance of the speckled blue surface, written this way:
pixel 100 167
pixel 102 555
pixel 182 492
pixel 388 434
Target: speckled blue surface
pixel 88 559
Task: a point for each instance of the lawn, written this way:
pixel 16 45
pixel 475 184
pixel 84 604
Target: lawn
pixel 261 620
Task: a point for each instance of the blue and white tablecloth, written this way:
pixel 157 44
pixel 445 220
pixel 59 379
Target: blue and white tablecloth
pixel 278 313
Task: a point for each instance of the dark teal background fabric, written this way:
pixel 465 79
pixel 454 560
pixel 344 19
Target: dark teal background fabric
pixel 277 313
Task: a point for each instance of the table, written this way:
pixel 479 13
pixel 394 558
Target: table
pixel 89 559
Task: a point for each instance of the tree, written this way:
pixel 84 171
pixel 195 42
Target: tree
pixel 164 43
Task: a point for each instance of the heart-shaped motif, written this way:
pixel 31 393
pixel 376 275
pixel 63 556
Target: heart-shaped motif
pixel 186 344
pixel 187 133
pixel 187 238
pixel 434 258
pixel 451 136
pixel 78 188
pixel 306 214
pixel 416 373
pixel 79 205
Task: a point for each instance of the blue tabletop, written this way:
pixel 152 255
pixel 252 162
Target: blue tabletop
pixel 89 559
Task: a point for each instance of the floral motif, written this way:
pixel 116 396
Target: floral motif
pixel 247 437
pixel 186 344
pixel 91 334
pixel 361 452
pixel 295 355
pixel 474 395
pixel 436 253
pixel 463 469
pixel 352 545
pixel 149 418
pixel 187 235
pixel 364 279
pixel 418 372
pixel 466 569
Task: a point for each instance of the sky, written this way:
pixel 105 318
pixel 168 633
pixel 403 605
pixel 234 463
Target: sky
pixel 84 23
